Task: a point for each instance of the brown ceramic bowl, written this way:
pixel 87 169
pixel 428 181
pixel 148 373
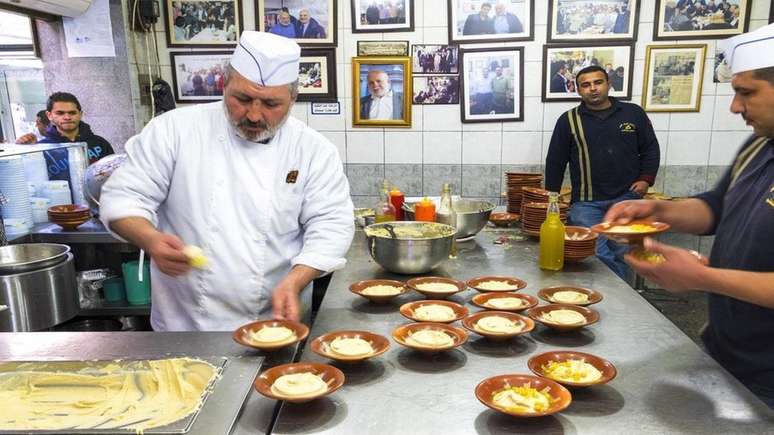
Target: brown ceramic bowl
pixel 590 315
pixel 69 224
pixel 606 229
pixel 482 300
pixel 547 294
pixel 470 321
pixel 608 370
pixel 503 219
pixel 589 237
pixel 358 287
pixel 407 310
pixel 241 334
pixel 401 333
pixel 321 345
pixel 516 283
pixel 486 390
pixel 68 209
pixel 414 282
pixel 331 375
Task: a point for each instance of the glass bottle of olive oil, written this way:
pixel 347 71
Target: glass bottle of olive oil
pixel 447 215
pixel 552 237
pixel 384 210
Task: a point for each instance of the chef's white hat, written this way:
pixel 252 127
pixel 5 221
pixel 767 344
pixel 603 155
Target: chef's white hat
pixel 750 51
pixel 266 59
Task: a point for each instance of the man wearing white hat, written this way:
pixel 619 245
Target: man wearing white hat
pixel 739 211
pixel 261 193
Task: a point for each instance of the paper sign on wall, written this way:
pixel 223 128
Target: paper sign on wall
pixel 90 35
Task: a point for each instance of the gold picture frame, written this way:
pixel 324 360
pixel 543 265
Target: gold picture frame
pixel 674 77
pixel 394 70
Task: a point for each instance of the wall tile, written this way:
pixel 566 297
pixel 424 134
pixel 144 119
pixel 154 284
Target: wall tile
pixel 684 180
pixel 533 117
pixel 365 179
pixel 481 180
pixel 364 201
pixel 442 147
pixel 327 122
pixel 533 81
pixel 402 146
pixel 688 148
pixel 435 13
pixel 434 176
pixel 724 119
pixel 522 147
pixel 694 121
pixel 365 147
pixel 714 174
pixel 481 147
pixel 339 138
pixel 442 118
pixel 408 178
pixel 725 145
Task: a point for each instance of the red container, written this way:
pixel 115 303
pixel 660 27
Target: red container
pixel 397 198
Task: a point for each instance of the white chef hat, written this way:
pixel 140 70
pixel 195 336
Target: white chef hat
pixel 750 51
pixel 266 59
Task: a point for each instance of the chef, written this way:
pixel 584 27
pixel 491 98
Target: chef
pixel 262 194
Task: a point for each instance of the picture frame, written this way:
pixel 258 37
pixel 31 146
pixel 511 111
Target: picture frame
pixel 614 21
pixel 435 59
pixel 698 23
pixel 673 78
pixel 467 24
pixel 436 90
pixel 721 72
pixel 382 48
pixel 191 81
pixel 382 75
pixel 616 58
pixel 317 75
pixel 379 16
pixel 203 24
pixel 482 98
pixel 320 30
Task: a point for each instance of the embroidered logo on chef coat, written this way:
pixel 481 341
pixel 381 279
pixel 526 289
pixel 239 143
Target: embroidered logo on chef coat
pixel 627 127
pixel 292 176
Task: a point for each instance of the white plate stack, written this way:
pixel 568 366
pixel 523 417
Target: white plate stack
pixel 78 164
pixel 39 209
pixel 13 185
pixel 35 168
pixel 58 191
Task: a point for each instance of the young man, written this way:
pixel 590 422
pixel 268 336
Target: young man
pixel 613 155
pixel 41 124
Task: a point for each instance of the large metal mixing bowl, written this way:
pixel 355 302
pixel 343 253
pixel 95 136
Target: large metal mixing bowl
pixel 31 256
pixel 410 255
pixel 472 215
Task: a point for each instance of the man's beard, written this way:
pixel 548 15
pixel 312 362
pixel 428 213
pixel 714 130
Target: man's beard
pixel 269 131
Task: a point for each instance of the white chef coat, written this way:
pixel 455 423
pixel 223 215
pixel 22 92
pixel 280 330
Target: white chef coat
pixel 189 174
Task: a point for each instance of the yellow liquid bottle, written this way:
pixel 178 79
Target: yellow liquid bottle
pixel 552 237
pixel 447 215
pixel 384 210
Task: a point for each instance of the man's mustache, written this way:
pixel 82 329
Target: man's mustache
pixel 251 124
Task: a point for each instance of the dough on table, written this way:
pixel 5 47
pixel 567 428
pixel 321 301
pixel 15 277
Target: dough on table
pixel 381 290
pixel 564 317
pixel 438 287
pixel 570 297
pixel 299 385
pixel 498 325
pixel 494 285
pixel 272 335
pixel 350 346
pixel 430 338
pixel 507 303
pixel 434 313
pixel 572 370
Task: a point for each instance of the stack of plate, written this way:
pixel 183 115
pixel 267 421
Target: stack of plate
pixel 58 191
pixel 579 243
pixel 13 185
pixel 533 194
pixel 534 215
pixel 516 182
pixel 69 216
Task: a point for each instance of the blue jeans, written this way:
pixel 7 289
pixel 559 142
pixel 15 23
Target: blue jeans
pixel 589 213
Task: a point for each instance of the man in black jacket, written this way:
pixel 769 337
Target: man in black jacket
pixel 613 155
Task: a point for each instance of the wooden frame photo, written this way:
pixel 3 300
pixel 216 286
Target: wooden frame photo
pixel 603 20
pixel 203 23
pixel 435 59
pixel 378 16
pixel 317 75
pixel 199 77
pixel 561 62
pixel 673 78
pixel 700 21
pixel 382 48
pixel 492 84
pixel 471 21
pixel 311 23
pixel 436 90
pixel 381 91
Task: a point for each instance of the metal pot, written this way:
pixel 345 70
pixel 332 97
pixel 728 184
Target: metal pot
pixel 409 255
pixel 472 216
pixel 25 257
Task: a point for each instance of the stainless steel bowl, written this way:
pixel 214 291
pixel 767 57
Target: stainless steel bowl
pixel 472 215
pixel 410 255
pixel 31 256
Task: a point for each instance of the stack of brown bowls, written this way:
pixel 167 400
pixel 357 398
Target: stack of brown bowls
pixel 516 182
pixel 579 243
pixel 69 216
pixel 535 213
pixel 533 194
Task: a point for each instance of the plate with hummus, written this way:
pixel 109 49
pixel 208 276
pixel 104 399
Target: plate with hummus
pixel 523 395
pixel 433 311
pixel 513 302
pixel 429 337
pixel 270 334
pixel 350 346
pixel 574 369
pixel 563 294
pixel 379 290
pixel 299 382
pixel 436 287
pixel 631 233
pixel 562 317
pixel 496 284
pixel 498 325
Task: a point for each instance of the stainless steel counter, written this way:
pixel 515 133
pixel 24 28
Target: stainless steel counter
pixel 665 383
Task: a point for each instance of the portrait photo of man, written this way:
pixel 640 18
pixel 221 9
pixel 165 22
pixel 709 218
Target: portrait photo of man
pixel 382 92
pixel 490 20
pixel 312 21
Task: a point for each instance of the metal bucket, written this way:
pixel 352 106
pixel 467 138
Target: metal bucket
pixel 25 257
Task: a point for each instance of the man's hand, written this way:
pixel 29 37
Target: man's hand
pixel 167 251
pixel 27 139
pixel 626 211
pixel 681 270
pixel 640 187
pixel 284 301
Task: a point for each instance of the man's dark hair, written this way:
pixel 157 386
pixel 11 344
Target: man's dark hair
pixel 588 70
pixel 765 74
pixel 62 97
pixel 41 115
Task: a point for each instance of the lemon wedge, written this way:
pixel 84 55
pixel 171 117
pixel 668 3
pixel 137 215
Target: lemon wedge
pixel 196 257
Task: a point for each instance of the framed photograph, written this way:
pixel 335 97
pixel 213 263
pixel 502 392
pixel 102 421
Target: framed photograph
pixel 201 23
pixel 317 75
pixel 199 77
pixel 382 48
pixel 377 16
pixel 691 19
pixel 381 91
pixel 435 59
pixel 722 72
pixel 603 20
pixel 492 83
pixel 312 23
pixel 491 21
pixel 673 78
pixel 562 62
pixel 436 90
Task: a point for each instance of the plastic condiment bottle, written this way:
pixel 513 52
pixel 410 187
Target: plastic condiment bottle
pixel 424 210
pixel 447 215
pixel 552 236
pixel 397 198
pixel 384 210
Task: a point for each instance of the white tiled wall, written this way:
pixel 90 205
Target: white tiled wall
pixel 708 137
